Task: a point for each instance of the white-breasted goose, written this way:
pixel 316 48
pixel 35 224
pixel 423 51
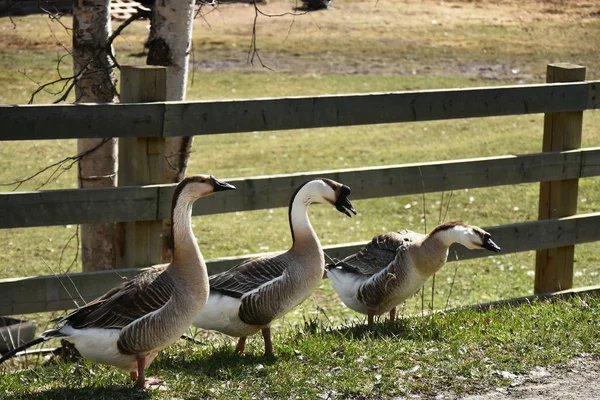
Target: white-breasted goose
pixel 131 323
pixel 394 266
pixel 248 297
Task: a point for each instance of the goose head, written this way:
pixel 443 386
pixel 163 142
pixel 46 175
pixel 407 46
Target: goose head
pixel 196 186
pixel 328 191
pixel 472 237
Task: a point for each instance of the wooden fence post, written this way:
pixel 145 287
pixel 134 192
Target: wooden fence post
pixel 562 131
pixel 141 162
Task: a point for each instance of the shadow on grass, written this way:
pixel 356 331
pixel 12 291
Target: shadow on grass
pixel 220 361
pixel 403 328
pixel 115 392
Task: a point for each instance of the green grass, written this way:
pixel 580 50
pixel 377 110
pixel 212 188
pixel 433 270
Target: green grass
pixel 355 47
pixel 454 353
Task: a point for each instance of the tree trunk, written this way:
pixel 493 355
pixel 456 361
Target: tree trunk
pixel 91 31
pixel 169 46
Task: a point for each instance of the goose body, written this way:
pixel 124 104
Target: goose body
pixel 394 266
pixel 248 297
pixel 130 324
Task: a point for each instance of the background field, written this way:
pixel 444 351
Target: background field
pixel 353 47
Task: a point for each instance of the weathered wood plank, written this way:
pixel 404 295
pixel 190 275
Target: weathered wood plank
pixel 141 162
pixel 512 238
pixel 562 131
pixel 43 208
pixel 35 122
pixel 345 110
pixel 593 96
pixel 72 121
pixel 551 296
pixel 46 293
pixel 58 207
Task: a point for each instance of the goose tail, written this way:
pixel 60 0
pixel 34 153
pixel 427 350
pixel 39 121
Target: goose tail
pixel 334 262
pixel 13 352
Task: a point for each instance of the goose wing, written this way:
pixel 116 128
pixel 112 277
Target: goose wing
pixel 248 276
pixel 125 303
pixel 378 253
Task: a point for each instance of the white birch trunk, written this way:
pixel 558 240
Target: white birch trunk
pixel 91 30
pixel 169 46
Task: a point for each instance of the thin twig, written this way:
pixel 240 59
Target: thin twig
pixel 432 290
pixel 253 49
pixel 453 280
pixel 61 283
pixel 74 236
pixel 423 193
pixel 70 82
pixel 57 164
pixel 441 208
pixel 139 14
pixel 448 207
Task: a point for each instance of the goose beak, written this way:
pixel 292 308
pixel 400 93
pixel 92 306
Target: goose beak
pixel 220 186
pixel 489 244
pixel 342 204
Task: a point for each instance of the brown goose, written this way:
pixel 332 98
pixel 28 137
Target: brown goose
pixel 248 297
pixel 394 266
pixel 131 323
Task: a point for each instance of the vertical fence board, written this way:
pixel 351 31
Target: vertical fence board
pixel 562 131
pixel 141 163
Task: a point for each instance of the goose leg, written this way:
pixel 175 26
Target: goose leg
pixel 141 374
pixel 370 320
pixel 266 332
pixel 133 375
pixel 142 381
pixel 241 346
pixel 393 315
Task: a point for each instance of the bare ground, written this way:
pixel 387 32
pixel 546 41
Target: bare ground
pixel 406 37
pixel 579 380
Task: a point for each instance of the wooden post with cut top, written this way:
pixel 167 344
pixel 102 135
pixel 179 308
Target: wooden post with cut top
pixel 141 162
pixel 562 131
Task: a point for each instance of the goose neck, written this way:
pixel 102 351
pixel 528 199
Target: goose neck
pixel 432 254
pixel 187 259
pixel 300 226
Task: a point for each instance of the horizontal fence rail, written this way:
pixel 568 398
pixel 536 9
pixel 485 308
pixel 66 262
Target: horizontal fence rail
pixel 36 122
pixel 137 203
pixel 46 293
pixel 563 101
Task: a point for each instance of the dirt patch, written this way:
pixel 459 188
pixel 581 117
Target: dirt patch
pixel 338 64
pixel 473 39
pixel 580 380
pixel 20 43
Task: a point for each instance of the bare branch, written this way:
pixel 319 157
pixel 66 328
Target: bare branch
pixel 253 50
pixel 140 14
pixel 62 253
pixel 64 164
pixel 201 4
pixel 63 285
pixel 70 82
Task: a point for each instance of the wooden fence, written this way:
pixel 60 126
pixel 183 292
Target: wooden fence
pixel 559 167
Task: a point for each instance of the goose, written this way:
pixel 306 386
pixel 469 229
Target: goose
pixel 394 266
pixel 248 297
pixel 130 324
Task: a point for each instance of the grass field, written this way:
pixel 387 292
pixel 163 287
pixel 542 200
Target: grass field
pixel 353 47
pixel 442 355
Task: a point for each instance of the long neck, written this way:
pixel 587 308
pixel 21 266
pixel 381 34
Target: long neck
pixel 432 253
pixel 187 259
pixel 303 233
pixel 306 250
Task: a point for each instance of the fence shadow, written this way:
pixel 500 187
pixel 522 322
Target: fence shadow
pixel 109 392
